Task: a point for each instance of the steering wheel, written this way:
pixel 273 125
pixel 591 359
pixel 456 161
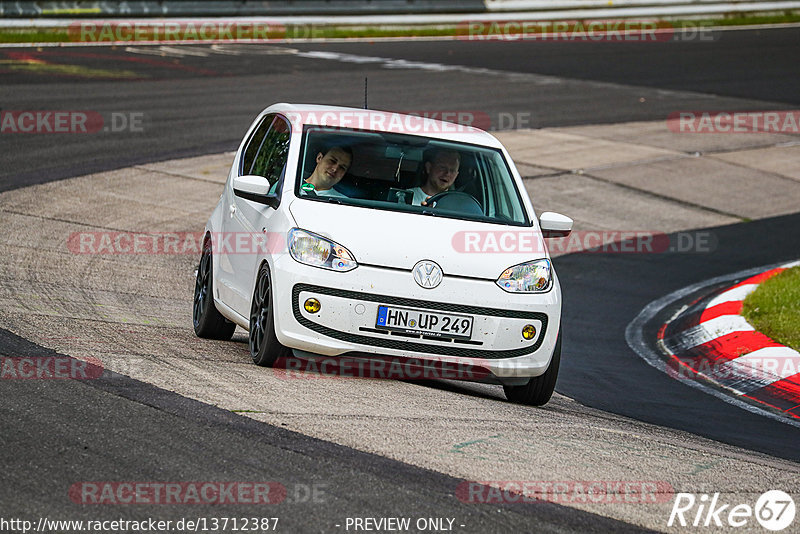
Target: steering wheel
pixel 455 201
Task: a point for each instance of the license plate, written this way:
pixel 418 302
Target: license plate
pixel 424 322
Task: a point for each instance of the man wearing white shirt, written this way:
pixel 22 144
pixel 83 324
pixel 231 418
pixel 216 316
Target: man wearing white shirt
pixel 331 168
pixel 441 172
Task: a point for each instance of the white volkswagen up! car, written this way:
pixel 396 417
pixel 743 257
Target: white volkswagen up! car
pixel 356 233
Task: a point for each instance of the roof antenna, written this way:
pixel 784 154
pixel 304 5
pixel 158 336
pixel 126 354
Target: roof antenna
pixel 365 93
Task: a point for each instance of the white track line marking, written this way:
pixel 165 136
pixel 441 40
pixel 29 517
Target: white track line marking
pixel 731 295
pixel 709 331
pixel 767 365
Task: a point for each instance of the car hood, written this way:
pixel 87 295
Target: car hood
pixel 400 240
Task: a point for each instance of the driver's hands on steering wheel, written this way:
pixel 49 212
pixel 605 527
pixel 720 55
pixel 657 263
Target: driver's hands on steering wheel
pixel 454 200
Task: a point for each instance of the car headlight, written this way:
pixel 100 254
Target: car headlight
pixel 532 277
pixel 317 251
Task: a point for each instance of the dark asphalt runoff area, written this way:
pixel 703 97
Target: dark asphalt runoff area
pixel 57 432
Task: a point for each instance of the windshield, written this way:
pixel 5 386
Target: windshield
pixel 409 173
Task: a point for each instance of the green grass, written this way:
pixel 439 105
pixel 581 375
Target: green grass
pixel 33 35
pixel 63 35
pixel 745 20
pixel 774 308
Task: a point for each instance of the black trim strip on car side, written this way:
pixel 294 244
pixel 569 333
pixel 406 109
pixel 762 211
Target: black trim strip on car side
pixel 448 350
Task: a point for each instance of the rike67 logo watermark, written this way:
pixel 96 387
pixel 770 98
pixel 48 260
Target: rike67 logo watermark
pixel 774 510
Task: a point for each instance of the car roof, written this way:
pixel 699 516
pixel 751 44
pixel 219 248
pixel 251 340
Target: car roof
pixel 382 121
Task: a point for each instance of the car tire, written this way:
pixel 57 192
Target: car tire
pixel 540 388
pixel 208 322
pixel 264 346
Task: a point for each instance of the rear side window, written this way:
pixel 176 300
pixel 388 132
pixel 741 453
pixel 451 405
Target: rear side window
pixel 270 160
pixel 254 144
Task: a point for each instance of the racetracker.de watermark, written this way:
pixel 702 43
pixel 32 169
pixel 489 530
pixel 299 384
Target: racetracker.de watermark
pixel 413 121
pixel 759 369
pixel 266 30
pixel 144 31
pixel 585 241
pixel 583 31
pixel 49 368
pixel 385 368
pixel 195 492
pixel 175 243
pixel 465 242
pixel 734 122
pixel 69 122
pixel 565 491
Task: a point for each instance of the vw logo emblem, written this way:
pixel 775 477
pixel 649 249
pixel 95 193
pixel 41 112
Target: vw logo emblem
pixel 427 274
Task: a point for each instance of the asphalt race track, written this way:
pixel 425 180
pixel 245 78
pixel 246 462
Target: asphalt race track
pixel 197 100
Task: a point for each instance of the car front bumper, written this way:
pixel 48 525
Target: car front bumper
pixel 346 321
